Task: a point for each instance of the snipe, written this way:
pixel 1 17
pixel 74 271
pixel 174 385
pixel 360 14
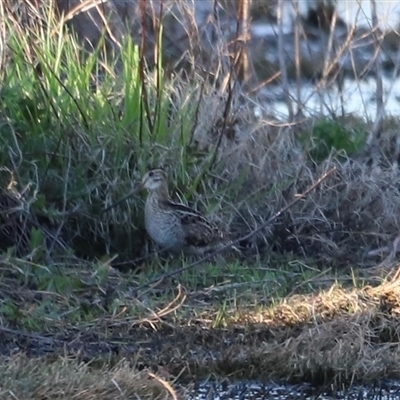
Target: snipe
pixel 176 227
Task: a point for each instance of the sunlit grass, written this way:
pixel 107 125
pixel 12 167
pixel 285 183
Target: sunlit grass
pixel 63 378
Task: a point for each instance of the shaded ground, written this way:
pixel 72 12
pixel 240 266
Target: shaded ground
pixel 336 336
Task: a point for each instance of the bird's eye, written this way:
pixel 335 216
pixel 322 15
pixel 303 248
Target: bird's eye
pixel 151 173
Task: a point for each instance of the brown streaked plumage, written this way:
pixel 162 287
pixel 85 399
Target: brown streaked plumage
pixel 176 227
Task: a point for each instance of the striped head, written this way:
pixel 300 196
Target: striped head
pixel 154 179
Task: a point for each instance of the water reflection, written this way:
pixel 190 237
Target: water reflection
pixel 358 99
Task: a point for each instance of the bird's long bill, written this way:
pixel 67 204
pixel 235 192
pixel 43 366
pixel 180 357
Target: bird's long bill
pixel 123 199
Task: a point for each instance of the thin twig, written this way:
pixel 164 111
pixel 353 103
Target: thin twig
pixel 242 238
pixel 34 336
pixel 380 105
pixel 282 60
pixel 166 385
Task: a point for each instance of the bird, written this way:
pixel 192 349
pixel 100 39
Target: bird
pixel 176 227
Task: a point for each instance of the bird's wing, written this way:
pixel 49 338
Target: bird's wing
pixel 199 230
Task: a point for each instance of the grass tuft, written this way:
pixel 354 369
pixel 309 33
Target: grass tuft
pixel 81 127
pixel 329 135
pixel 62 378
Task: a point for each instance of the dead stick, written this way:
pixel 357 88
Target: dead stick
pixel 245 237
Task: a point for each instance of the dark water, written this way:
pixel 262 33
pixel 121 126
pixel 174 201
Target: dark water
pixel 247 390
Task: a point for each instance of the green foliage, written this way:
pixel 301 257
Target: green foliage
pixel 10 310
pixel 36 243
pixel 85 125
pixel 328 135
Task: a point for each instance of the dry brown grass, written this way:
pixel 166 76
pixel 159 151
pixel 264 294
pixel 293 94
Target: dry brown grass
pixel 336 336
pixel 63 378
pixel 352 212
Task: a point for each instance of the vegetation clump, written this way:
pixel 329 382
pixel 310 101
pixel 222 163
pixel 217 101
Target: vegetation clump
pixel 327 136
